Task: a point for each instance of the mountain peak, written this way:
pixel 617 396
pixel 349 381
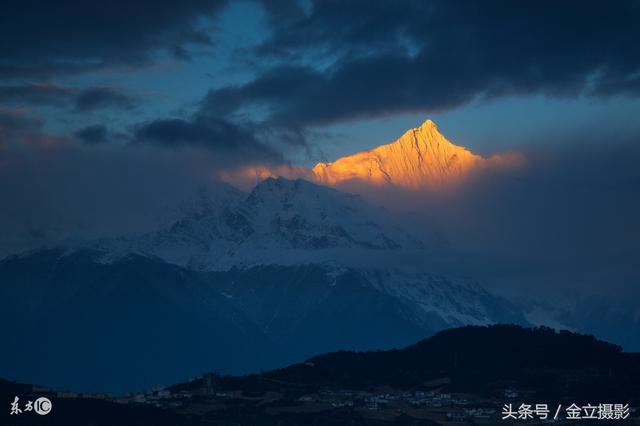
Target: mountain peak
pixel 423 136
pixel 281 221
pixel 421 157
pixel 428 124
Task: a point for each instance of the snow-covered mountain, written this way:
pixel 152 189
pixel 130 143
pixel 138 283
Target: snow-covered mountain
pixel 422 158
pixel 235 274
pixel 280 221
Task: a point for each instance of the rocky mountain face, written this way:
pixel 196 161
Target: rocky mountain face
pixel 72 321
pixel 313 307
pixel 137 321
pixel 421 158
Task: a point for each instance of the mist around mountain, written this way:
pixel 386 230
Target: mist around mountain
pixel 420 160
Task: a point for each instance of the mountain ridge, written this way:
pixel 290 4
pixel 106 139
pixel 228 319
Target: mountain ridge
pixel 116 325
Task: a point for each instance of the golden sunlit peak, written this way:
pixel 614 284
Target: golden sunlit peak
pixel 428 124
pixel 422 158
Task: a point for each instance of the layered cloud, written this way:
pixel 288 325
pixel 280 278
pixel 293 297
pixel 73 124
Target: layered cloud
pixel 317 63
pixel 398 57
pixel 216 135
pixel 71 36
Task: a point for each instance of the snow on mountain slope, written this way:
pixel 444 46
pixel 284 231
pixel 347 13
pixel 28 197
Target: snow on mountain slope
pixel 278 221
pixel 422 158
pixel 456 302
pixel 431 301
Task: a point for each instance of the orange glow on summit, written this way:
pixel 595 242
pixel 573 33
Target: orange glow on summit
pixel 422 158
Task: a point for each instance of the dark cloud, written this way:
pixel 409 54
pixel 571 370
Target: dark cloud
pixel 102 97
pixel 214 134
pixel 46 38
pixel 82 100
pixel 370 86
pixel 392 57
pixel 92 134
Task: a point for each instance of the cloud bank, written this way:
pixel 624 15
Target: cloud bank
pixel 418 56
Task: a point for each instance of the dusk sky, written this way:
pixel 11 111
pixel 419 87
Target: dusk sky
pixel 108 109
pixel 235 186
pixel 303 82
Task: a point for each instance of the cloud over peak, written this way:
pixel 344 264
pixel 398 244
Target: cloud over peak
pixel 416 56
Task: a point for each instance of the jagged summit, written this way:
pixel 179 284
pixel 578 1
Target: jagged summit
pixel 421 157
pixel 427 124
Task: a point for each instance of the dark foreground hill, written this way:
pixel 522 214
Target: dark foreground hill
pixel 459 373
pixel 481 360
